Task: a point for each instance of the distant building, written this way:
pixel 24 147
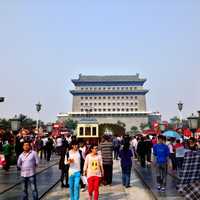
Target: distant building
pixel 109 99
pixel 155 117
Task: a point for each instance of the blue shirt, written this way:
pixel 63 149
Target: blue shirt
pixel 161 151
pixel 125 156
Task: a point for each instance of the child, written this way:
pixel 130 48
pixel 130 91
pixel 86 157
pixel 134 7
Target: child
pixel 161 151
pixel 126 163
pixel 93 169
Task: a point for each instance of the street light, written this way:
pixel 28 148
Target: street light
pixel 15 124
pixel 193 123
pixel 2 99
pixel 49 128
pixel 38 108
pixel 180 108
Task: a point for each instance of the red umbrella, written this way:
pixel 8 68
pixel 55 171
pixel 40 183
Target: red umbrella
pixel 187 132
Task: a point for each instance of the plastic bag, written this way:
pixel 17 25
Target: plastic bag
pixel 84 180
pixel 2 161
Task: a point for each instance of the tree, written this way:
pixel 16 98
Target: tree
pixel 122 124
pixel 144 126
pixel 27 122
pixel 174 120
pixel 70 124
pixel 134 130
pixel 114 128
pixel 5 124
pixel 174 123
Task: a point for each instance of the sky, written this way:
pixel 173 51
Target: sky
pixel 46 43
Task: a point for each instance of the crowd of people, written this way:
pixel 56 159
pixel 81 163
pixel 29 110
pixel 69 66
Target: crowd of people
pixel 180 156
pixel 84 165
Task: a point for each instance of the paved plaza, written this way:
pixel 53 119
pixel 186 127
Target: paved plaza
pixel 114 192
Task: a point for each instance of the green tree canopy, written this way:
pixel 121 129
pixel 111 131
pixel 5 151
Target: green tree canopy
pixel 134 130
pixel 114 128
pixel 122 124
pixel 70 123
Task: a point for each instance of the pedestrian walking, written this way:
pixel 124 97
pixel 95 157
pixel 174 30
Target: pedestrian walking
pixel 161 151
pixel 106 149
pixel 116 147
pixel 179 154
pixel 142 151
pixel 59 143
pixel 172 153
pixel 189 181
pixel 64 167
pixel 93 169
pixel 74 159
pixel 82 147
pixel 39 146
pixel 126 164
pixel 18 145
pixel 134 144
pixel 7 154
pixel 149 146
pixel 49 148
pixel 27 162
pixel 45 140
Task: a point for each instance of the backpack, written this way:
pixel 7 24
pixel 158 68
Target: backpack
pixel 81 160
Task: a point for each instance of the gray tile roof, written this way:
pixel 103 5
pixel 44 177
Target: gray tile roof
pixel 119 92
pixel 120 78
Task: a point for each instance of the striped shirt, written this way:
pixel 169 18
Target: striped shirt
pixel 106 149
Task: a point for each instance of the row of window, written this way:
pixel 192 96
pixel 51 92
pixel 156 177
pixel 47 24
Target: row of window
pixel 109 104
pixel 109 88
pixel 109 110
pixel 109 97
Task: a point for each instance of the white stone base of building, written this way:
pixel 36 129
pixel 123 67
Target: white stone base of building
pixel 129 119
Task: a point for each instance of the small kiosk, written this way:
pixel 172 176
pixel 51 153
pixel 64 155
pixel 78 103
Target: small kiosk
pixel 88 130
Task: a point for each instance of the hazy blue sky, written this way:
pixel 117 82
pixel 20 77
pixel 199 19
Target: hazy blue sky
pixel 46 43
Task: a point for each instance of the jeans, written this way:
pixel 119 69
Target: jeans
pixel 93 185
pixel 179 163
pixel 74 188
pixel 142 160
pixel 126 174
pixel 116 152
pixel 173 159
pixel 161 171
pixel 64 175
pixel 149 155
pixel 32 181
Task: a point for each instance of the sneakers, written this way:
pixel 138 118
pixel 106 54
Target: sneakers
pixel 158 187
pixel 162 189
pixel 83 189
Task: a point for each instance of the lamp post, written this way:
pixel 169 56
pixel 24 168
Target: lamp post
pixel 2 99
pixel 15 124
pixel 180 108
pixel 38 108
pixel 193 123
pixel 49 128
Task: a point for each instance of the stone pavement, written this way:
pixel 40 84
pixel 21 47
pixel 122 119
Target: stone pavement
pixel 45 180
pixel 115 192
pixel 12 177
pixel 148 175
